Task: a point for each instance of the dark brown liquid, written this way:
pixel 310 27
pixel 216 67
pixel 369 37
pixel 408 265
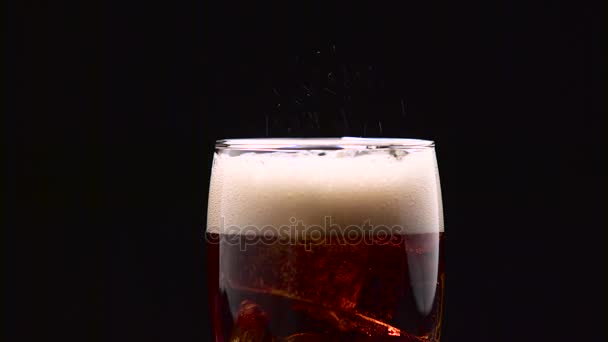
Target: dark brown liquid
pixel 334 291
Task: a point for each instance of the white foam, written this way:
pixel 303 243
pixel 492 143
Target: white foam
pixel 349 186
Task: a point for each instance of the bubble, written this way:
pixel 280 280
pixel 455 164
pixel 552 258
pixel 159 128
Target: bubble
pixel 385 187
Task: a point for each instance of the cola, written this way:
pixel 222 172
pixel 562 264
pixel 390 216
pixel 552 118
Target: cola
pixel 331 291
pixel 311 244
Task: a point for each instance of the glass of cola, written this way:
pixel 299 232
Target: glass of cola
pixel 328 239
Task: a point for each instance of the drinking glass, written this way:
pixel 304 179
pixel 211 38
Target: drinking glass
pixel 337 239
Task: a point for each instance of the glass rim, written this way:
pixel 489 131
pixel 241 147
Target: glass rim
pixel 339 143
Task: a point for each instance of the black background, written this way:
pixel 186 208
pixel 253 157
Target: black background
pixel 111 109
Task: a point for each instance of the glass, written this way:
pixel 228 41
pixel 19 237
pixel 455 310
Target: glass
pixel 325 239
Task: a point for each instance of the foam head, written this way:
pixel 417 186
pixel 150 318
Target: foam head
pixel 348 181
